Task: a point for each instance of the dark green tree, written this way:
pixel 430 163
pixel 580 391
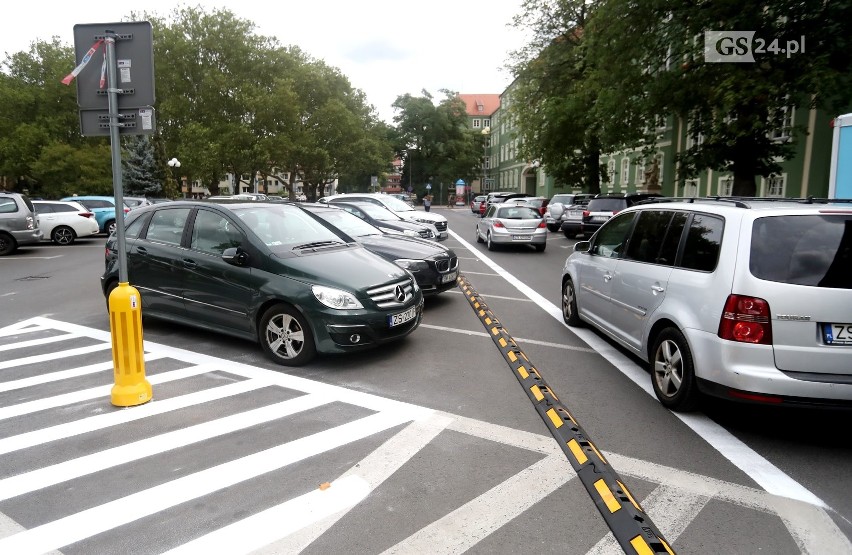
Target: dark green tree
pixel 139 168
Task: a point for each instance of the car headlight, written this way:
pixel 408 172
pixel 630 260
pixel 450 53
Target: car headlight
pixel 414 281
pixel 410 233
pixel 411 265
pixel 424 221
pixel 335 298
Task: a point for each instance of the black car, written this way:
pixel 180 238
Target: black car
pixel 434 266
pixel 384 219
pixel 264 271
pixel 603 207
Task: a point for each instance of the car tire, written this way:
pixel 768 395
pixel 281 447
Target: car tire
pixel 540 248
pixel 570 234
pixel 7 244
pixel 63 235
pixel 570 314
pixel 109 227
pixel 552 227
pixel 491 245
pixel 673 371
pixel 478 236
pixel 285 336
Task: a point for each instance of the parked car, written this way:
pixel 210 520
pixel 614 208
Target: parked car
pixel 571 220
pixel 476 203
pixel 18 222
pixel 744 299
pixel 603 207
pixel 387 220
pixel 269 272
pixel 135 202
pixel 401 208
pixel 498 197
pixel 558 202
pixel 159 200
pixel 103 208
pixel 508 223
pixel 434 266
pixel 63 222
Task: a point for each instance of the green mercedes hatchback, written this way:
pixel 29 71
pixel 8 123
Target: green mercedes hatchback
pixel 273 273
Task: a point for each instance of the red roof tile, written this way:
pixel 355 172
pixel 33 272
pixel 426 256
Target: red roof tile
pixel 481 104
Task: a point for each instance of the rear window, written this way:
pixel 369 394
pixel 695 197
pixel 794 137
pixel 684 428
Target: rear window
pixel 606 204
pixel 8 205
pixel 813 250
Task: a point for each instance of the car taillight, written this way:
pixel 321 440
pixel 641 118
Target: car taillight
pixel 498 223
pixel 746 320
pixel 85 214
pixel 542 224
pixel 31 223
pixel 126 210
pixel 586 213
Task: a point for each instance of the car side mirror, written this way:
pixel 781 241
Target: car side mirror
pixel 235 256
pixel 582 246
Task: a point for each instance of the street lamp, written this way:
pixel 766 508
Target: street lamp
pixel 173 163
pixel 486 133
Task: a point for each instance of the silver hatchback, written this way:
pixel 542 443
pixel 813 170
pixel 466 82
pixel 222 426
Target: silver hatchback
pixel 18 222
pixel 750 300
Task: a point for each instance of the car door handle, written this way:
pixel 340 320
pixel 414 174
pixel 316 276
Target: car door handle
pixel 607 276
pixel 142 250
pixel 657 288
pixel 188 263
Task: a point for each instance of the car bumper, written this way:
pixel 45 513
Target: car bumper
pixel 364 331
pixel 539 237
pixel 27 236
pixel 723 365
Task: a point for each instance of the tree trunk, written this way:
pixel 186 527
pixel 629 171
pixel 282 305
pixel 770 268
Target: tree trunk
pixel 593 171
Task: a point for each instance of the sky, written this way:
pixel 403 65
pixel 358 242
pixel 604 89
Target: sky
pixel 385 48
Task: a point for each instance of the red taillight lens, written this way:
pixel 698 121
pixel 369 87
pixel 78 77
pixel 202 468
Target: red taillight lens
pixel 586 213
pixel 542 224
pixel 498 223
pixel 85 214
pixel 126 210
pixel 746 320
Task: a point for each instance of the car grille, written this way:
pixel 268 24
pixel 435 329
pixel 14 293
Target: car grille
pixel 442 226
pixel 447 264
pixel 385 296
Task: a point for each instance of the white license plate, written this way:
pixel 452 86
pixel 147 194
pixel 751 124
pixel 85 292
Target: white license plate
pixel 575 213
pixel 450 277
pixel 599 218
pixel 521 237
pixel 402 317
pixel 837 334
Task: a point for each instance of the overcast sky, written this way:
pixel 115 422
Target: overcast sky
pixel 386 48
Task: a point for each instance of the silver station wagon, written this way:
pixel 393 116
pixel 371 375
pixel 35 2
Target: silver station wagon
pixel 750 300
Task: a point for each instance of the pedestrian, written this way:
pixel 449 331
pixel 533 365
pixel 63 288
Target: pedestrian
pixel 427 202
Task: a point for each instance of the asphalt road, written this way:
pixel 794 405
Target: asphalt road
pixel 427 445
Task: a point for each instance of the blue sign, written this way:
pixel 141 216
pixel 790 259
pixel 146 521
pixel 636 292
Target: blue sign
pixel 409 188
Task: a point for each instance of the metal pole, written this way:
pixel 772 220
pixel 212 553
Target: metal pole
pixel 115 147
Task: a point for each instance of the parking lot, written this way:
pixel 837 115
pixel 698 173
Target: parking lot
pixel 429 444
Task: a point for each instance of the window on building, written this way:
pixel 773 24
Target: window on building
pixel 782 124
pixel 486 122
pixel 477 123
pixel 487 162
pixel 625 171
pixel 726 186
pixel 610 170
pixel 691 187
pixel 640 171
pixel 775 185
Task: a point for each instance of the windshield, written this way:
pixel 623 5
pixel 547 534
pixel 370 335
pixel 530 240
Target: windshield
pixel 378 212
pixel 349 224
pixel 395 204
pixel 281 226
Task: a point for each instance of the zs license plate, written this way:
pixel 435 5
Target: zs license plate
pixel 521 237
pixel 837 334
pixel 402 317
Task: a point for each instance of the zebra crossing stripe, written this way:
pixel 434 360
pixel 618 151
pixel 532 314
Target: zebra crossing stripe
pixel 38 342
pixel 45 357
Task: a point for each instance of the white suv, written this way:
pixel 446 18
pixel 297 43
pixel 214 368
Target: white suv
pixel 750 300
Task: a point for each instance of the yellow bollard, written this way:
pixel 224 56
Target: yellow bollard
pixel 125 323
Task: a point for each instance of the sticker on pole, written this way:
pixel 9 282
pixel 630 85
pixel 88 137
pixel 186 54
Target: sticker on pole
pixel 133 303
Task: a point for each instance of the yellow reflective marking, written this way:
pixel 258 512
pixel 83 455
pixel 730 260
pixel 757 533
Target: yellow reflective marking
pixel 481 313
pixel 577 451
pixel 641 546
pixel 473 297
pixel 511 354
pixel 569 416
pixel 595 449
pixel 476 305
pixel 555 418
pixel 495 331
pixel 629 496
pixel 611 502
pixel 537 393
pixel 669 549
pixel 523 372
pixel 488 321
pixel 503 343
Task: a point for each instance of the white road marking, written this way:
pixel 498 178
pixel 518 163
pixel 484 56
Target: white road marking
pixel 35 359
pixel 518 299
pixel 65 374
pixel 518 339
pixel 37 342
pixel 770 477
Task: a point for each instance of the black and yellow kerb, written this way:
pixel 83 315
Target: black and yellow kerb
pixel 631 527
